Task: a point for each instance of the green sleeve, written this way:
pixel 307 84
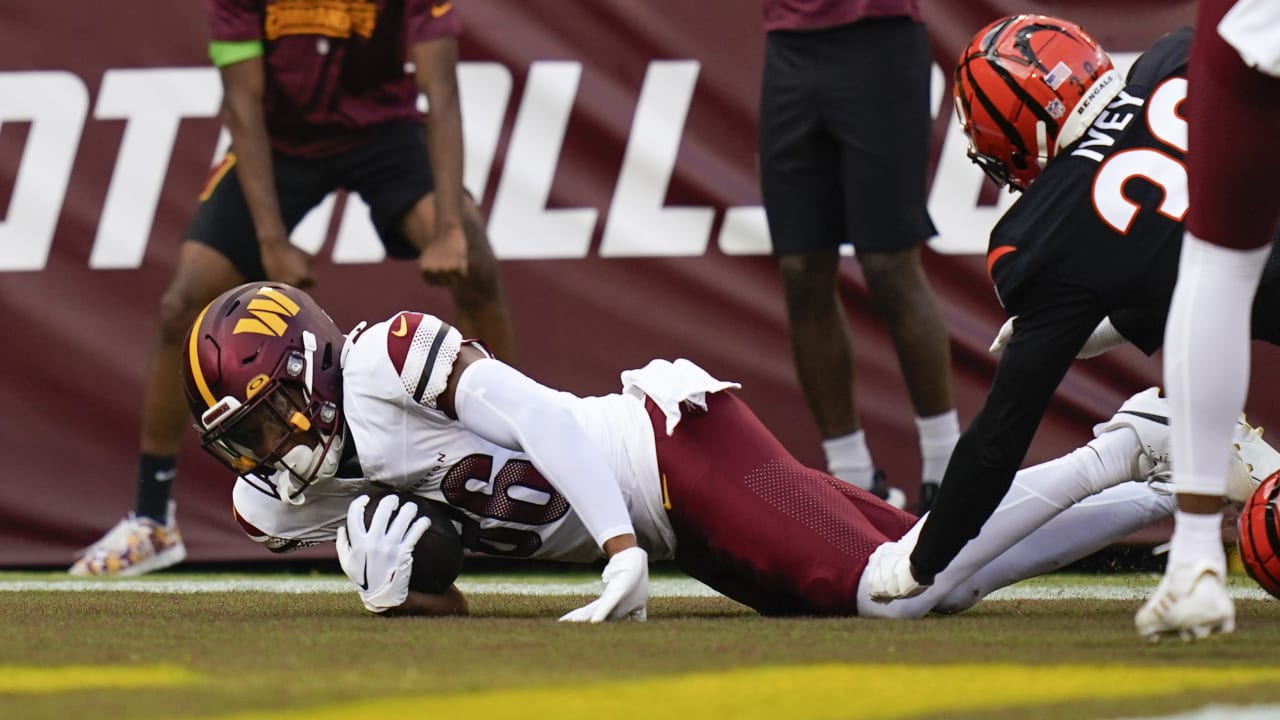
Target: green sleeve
pixel 224 53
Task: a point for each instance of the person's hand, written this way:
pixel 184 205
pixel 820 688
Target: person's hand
pixel 888 573
pixel 1003 336
pixel 444 260
pixel 379 560
pixel 626 590
pixel 287 264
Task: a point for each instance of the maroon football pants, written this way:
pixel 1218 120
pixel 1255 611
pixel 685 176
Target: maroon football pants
pixel 755 524
pixel 1233 153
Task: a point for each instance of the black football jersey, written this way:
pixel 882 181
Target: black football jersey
pixel 1097 234
pixel 1108 211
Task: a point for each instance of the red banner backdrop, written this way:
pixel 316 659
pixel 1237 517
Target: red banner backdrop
pixel 613 144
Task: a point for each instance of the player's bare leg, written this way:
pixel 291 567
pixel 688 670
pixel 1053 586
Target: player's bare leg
pixel 906 305
pixel 822 348
pixel 148 538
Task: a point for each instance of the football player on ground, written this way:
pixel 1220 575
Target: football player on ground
pixel 1083 261
pixel 673 467
pixel 316 99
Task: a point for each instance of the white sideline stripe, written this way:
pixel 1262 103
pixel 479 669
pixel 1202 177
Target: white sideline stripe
pixel 1103 592
pixel 1223 712
pixel 659 587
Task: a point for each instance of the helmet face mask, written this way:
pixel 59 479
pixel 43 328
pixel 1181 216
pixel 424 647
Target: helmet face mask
pixel 993 167
pixel 1025 87
pixel 263 380
pixel 257 435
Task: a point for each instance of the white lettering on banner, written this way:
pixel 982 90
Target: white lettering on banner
pixel 55 103
pixel 484 90
pixel 357 240
pixel 745 231
pixel 638 224
pixel 520 224
pixel 153 102
pixel 309 234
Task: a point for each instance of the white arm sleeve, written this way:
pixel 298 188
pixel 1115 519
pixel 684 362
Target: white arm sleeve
pixel 507 408
pixel 1104 338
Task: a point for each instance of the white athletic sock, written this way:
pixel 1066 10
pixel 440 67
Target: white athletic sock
pixel 849 459
pixel 1206 359
pixel 938 436
pixel 1038 494
pixel 1197 537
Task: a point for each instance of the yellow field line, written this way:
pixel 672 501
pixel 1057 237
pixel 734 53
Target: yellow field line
pixel 25 679
pixel 819 691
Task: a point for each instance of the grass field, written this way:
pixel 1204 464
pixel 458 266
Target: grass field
pixel 180 645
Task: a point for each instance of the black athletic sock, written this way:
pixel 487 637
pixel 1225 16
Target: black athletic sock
pixel 155 480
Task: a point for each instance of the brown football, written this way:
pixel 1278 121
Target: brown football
pixel 437 558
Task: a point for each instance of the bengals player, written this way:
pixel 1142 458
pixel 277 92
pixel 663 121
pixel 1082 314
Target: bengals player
pixel 1086 256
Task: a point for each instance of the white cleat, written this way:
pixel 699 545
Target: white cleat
pixel 1147 415
pixel 1253 461
pixel 1190 603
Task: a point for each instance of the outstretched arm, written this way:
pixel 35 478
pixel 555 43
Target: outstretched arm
pixel 507 408
pixel 991 449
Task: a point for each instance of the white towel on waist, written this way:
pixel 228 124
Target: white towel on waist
pixel 670 383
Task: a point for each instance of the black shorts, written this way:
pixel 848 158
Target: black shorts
pixel 391 172
pixel 844 137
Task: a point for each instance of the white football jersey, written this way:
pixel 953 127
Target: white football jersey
pixel 393 373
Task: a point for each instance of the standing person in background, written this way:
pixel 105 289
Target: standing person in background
pixel 1233 170
pixel 316 98
pixel 844 150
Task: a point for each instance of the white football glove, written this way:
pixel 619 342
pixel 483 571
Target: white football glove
pixel 889 575
pixel 626 590
pixel 379 560
pixel 1105 337
pixel 1003 336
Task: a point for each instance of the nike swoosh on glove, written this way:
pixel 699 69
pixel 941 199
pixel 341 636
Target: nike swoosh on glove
pixel 889 573
pixel 626 590
pixel 379 559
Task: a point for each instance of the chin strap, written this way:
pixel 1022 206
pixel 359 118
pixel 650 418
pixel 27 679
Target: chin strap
pixel 318 463
pixel 286 486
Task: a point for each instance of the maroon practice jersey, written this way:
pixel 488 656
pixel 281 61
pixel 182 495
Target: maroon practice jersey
pixel 335 68
pixel 817 14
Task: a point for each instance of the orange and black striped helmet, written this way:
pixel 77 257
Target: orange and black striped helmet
pixel 1026 87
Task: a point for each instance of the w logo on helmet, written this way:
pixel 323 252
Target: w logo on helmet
pixel 269 310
